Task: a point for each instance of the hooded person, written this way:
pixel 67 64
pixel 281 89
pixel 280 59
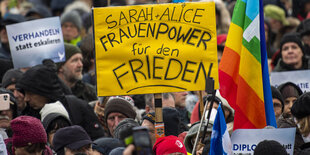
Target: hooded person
pixel 29 137
pixel 228 111
pixel 70 72
pixel 191 136
pixel 290 92
pixel 72 140
pixel 292 56
pixel 41 86
pixel 278 103
pixel 53 117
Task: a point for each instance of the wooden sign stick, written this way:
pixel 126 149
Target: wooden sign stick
pixel 159 122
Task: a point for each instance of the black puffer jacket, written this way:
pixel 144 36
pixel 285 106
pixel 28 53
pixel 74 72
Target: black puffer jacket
pixel 82 114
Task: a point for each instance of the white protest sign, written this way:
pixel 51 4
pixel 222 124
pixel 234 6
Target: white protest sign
pixel 244 141
pixel 300 78
pixel 36 40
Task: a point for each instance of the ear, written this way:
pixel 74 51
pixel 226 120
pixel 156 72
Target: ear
pixel 147 109
pixel 61 70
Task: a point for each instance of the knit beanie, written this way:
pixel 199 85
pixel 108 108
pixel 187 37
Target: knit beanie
pixel 11 77
pixel 124 128
pixel 275 12
pixel 119 104
pixel 70 50
pixel 277 94
pixel 289 89
pixel 301 107
pixel 41 80
pixel 56 107
pixel 269 147
pixel 291 37
pixel 27 130
pixel 72 17
pixel 169 144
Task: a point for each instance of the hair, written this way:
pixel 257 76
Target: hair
pixel 230 117
pixel 81 149
pixel 167 95
pixel 87 49
pixel 304 125
pixel 59 122
pixel 149 100
pixel 34 148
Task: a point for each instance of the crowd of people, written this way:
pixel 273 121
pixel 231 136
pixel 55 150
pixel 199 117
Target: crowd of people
pixel 53 107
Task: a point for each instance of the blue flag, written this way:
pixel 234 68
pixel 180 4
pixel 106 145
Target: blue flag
pixel 220 140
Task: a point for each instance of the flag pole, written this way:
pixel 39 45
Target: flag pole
pixel 201 104
pixel 209 90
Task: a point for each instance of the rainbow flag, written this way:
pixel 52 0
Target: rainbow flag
pixel 243 70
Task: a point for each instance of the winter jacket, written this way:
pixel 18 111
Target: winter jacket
pixel 84 91
pixel 289 123
pixel 282 67
pixel 82 114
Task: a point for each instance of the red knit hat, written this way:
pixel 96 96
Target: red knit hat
pixel 169 144
pixel 27 130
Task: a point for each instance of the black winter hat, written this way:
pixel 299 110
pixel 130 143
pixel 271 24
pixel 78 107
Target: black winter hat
pixel 105 145
pixel 121 105
pixel 277 94
pixel 269 147
pixel 291 37
pixel 72 137
pixel 11 77
pixel 301 107
pixel 41 80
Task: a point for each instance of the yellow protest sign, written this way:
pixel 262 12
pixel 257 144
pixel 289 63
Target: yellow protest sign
pixel 154 48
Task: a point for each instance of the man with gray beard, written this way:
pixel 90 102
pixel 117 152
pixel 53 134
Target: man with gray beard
pixel 70 72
